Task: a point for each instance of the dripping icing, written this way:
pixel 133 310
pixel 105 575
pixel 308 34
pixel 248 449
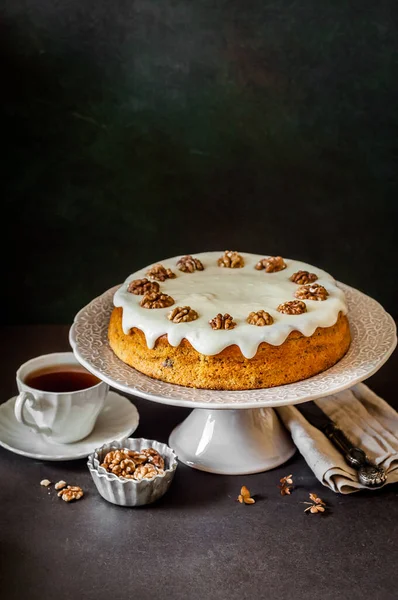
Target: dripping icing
pixel 234 291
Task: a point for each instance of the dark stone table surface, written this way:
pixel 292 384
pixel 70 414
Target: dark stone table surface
pixel 197 543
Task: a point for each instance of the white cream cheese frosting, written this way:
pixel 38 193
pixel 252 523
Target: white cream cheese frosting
pixel 237 292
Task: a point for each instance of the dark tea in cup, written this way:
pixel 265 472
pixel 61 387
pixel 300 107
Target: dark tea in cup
pixel 61 379
pixel 58 397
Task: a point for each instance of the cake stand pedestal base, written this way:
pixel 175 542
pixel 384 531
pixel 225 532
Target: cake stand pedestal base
pixel 232 442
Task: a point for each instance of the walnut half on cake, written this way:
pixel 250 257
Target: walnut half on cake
pixel 290 345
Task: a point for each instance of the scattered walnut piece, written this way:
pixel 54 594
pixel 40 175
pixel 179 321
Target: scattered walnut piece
pixel 148 471
pixel 303 277
pixel 182 314
pixel 153 457
pixel 71 492
pixel 139 457
pixel 160 273
pixel 316 505
pixel 189 264
pixel 127 463
pixel 122 468
pixel 61 484
pixel 292 307
pixel 222 322
pixel 285 485
pixel 139 287
pixel 260 318
pixel 231 260
pixel 120 462
pixel 156 300
pixel 314 291
pixel 271 264
pixel 45 482
pixel 116 455
pixel 244 496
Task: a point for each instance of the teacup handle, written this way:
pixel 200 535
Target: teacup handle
pixel 27 397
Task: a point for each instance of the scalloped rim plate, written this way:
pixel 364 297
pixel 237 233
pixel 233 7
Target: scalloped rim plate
pixel 373 334
pixel 117 420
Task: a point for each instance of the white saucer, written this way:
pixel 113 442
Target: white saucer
pixel 118 419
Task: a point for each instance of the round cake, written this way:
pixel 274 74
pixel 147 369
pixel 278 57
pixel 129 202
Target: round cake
pixel 229 321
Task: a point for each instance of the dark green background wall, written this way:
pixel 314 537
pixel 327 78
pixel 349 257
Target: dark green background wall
pixel 136 130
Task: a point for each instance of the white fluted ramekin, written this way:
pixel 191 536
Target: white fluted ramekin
pixel 129 492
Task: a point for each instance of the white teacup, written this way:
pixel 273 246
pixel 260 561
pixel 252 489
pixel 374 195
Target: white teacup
pixel 64 417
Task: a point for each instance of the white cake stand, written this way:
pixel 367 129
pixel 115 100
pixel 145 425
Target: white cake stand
pixel 236 432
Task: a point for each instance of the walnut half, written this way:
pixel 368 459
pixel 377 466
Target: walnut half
pixel 188 264
pixel 313 291
pixel 292 307
pixel 156 300
pixel 139 287
pixel 231 260
pixel 160 273
pixel 120 462
pixel 182 314
pixel 154 457
pixel 147 470
pixel 303 277
pixel 260 318
pixel 271 264
pixel 222 322
pixel 71 492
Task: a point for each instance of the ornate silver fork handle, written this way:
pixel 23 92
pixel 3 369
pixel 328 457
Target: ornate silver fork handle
pixel 369 474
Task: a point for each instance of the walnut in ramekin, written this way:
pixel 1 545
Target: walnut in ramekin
pixel 134 464
pixel 135 484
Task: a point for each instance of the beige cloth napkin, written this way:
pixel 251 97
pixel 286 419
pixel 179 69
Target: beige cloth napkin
pixel 366 419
